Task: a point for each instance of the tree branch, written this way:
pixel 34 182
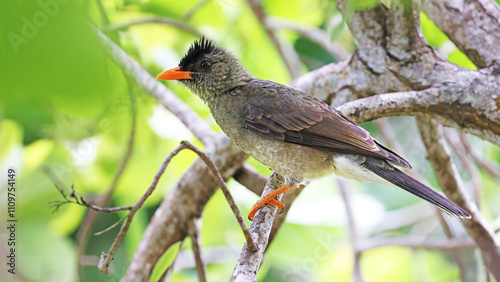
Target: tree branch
pixel 168 99
pixel 492 169
pixel 103 265
pixel 460 151
pixel 255 182
pixel 107 258
pixel 450 182
pixel 225 191
pixel 250 178
pixel 193 232
pixel 405 216
pixel 91 215
pixel 288 198
pixel 386 62
pixel 458 256
pixel 185 202
pixel 473 26
pixel 289 56
pixel 353 230
pixel 249 262
pixel 448 107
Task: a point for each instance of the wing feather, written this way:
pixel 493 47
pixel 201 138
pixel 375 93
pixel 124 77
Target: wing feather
pixel 295 117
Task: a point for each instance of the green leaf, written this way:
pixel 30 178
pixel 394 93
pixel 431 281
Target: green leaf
pixel 434 36
pixel 459 58
pixel 165 261
pixel 311 54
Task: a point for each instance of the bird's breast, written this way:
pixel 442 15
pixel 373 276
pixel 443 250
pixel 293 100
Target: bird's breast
pixel 295 162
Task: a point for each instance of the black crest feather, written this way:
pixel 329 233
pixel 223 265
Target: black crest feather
pixel 197 49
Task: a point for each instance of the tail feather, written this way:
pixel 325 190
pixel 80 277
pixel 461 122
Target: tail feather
pixel 408 183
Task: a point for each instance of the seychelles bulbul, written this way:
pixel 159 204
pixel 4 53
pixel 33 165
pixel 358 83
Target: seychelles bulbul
pixel 291 132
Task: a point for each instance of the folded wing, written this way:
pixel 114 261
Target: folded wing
pixel 298 118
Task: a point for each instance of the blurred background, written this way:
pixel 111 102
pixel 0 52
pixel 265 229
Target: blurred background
pixel 67 114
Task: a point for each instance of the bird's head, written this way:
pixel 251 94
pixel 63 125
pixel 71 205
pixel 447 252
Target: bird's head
pixel 207 70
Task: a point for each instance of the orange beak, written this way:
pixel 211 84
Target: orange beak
pixel 174 74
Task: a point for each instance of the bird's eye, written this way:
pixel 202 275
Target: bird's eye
pixel 205 65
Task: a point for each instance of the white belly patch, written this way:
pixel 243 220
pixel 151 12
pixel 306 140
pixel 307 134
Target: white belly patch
pixel 347 168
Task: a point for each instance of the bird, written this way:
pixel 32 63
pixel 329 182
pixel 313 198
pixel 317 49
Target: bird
pixel 293 133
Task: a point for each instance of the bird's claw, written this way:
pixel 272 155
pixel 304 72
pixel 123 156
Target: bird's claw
pixel 280 211
pixel 261 203
pixel 269 199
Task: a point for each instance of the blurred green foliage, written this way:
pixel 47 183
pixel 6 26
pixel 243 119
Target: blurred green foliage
pixel 66 116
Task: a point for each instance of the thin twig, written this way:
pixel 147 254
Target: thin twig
pixel 73 198
pixel 193 232
pixel 461 152
pixel 405 216
pixel 194 9
pixel 457 254
pixel 388 134
pixel 418 243
pixel 184 202
pixel 153 19
pixel 353 230
pixel 314 34
pixel 104 263
pixel 227 194
pixel 110 227
pixel 490 168
pixel 103 266
pixel 289 56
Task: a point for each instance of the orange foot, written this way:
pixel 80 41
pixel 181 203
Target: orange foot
pixel 269 200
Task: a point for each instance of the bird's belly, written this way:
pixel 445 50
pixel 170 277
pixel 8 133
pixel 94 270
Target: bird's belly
pixel 294 162
pixel 348 166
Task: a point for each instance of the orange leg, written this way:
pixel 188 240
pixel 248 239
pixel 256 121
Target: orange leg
pixel 269 200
